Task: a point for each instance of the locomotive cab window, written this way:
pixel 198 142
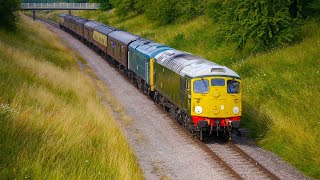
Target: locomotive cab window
pixel 217 82
pixel 233 86
pixel 201 86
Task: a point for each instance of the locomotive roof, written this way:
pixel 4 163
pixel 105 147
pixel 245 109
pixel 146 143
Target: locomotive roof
pixel 92 24
pixel 148 47
pixel 192 66
pixel 104 29
pixel 123 36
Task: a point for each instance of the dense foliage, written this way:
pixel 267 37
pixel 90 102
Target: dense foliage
pixel 8 14
pixel 169 11
pixel 310 8
pixel 267 23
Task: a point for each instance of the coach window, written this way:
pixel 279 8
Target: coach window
pixel 201 86
pixel 233 86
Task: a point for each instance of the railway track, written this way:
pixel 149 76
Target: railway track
pixel 237 163
pixel 231 158
pixel 240 161
pixel 49 22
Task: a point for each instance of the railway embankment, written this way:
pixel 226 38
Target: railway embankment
pixel 52 122
pixel 281 86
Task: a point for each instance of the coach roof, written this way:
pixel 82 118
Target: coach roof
pixel 104 29
pixel 123 37
pixel 92 24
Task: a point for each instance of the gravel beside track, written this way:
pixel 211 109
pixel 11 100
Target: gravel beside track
pixel 164 151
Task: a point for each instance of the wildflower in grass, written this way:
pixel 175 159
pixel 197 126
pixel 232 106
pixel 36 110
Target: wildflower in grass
pixel 6 109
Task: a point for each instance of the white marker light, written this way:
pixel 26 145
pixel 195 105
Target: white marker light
pixel 236 110
pixel 198 109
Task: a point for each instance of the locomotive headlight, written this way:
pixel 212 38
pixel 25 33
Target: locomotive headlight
pixel 236 110
pixel 198 109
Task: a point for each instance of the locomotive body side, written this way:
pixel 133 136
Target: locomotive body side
pixel 170 85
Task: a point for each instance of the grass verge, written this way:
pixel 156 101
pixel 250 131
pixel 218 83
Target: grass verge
pixel 52 123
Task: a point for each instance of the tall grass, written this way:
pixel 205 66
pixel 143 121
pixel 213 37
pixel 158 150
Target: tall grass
pixel 52 124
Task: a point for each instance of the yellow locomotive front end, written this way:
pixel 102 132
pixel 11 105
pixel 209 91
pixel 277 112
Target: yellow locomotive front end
pixel 216 105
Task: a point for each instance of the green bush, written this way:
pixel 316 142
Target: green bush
pixel 163 11
pixel 123 7
pixel 267 23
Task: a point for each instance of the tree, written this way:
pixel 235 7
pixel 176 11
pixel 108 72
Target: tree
pixel 8 14
pixel 266 23
pixel 310 8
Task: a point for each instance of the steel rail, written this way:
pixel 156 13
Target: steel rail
pixel 49 22
pixel 214 156
pixel 253 161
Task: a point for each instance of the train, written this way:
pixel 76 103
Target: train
pixel 203 96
